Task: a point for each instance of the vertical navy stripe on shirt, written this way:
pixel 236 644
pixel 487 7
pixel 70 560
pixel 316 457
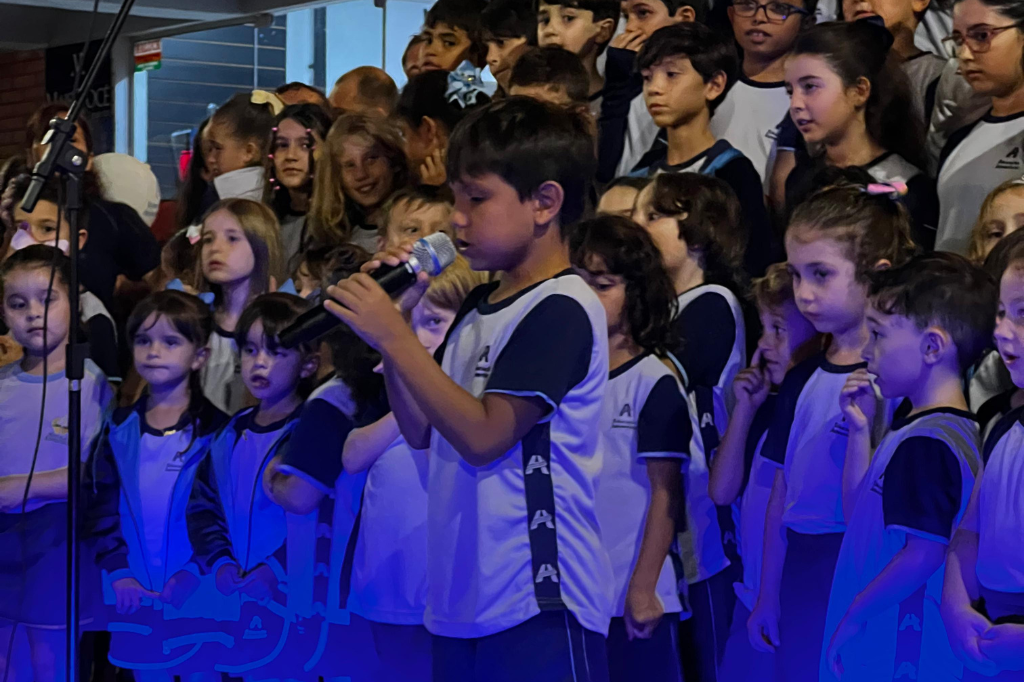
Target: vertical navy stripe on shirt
pixel 540 509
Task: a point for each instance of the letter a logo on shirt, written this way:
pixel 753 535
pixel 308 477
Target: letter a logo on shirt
pixel 542 517
pixel 1011 161
pixel 911 621
pixel 537 463
pixel 626 411
pixel 546 571
pixel 483 362
pixel 906 671
pixel 706 420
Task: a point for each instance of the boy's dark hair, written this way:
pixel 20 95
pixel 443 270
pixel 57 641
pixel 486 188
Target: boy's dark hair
pixel 276 311
pixel 708 214
pixel 942 289
pixel 552 67
pixel 874 226
pixel 295 86
pixel 1008 251
pixel 700 8
pixel 510 19
pixel 40 256
pixel 51 192
pixel 708 51
pixel 527 143
pixel 628 250
pixel 426 95
pixel 464 14
pixel 248 121
pixel 601 9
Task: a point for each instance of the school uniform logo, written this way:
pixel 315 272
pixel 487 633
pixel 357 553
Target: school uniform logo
pixel 255 629
pixel 58 431
pixel 546 572
pixel 483 363
pixel 840 428
pixel 625 419
pixel 177 463
pixel 537 463
pixel 1011 161
pixel 542 518
pixel 772 134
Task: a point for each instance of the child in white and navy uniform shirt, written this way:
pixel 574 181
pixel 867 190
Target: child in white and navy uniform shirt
pixel 517 579
pixel 989 152
pixel 694 220
pixel 33 544
pixel 753 107
pixel 140 480
pixel 740 469
pixel 389 573
pixel 929 321
pixel 983 594
pixel 250 559
pixel 648 434
pixel 834 241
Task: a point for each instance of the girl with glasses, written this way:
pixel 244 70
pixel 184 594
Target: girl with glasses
pixel 989 45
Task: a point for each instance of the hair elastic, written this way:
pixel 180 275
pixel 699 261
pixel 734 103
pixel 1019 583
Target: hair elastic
pixel 893 190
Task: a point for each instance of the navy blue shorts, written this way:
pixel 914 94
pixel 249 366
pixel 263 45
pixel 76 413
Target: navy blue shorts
pixel 652 660
pixel 550 647
pixel 702 637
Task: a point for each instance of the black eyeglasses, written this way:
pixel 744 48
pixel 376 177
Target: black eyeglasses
pixel 979 39
pixel 773 11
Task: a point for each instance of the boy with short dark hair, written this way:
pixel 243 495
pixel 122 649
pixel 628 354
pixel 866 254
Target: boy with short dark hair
pixel 757 102
pixel 552 75
pixel 583 27
pixel 627 131
pixel 451 35
pixel 509 28
pixel 518 580
pixel 687 70
pixel 929 321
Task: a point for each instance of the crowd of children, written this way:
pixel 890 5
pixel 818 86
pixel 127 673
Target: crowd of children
pixel 725 384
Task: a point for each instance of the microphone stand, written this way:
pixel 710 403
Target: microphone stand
pixel 70 162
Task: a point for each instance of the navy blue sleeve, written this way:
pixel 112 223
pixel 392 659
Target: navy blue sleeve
pixel 102 483
pixel 1001 428
pixel 707 330
pixel 787 136
pixel 206 521
pixel 922 488
pixel 314 450
pixel 664 422
pixel 954 141
pixel 548 353
pixel 777 441
pixel 922 203
pixel 763 248
pixel 621 86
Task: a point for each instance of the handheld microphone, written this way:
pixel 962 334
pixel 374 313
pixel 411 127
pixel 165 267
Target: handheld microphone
pixel 431 255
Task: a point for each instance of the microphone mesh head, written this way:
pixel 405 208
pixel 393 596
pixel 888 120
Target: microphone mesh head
pixel 434 252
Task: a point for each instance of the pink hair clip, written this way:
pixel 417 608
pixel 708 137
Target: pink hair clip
pixel 893 190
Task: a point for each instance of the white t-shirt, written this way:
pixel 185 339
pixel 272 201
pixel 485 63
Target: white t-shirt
pixel 808 438
pixel 258 526
pixel 1000 564
pixel 21 398
pixel 754 505
pixel 389 576
pixel 161 459
pixel 976 159
pixel 748 117
pixel 645 415
pixel 520 535
pixel 918 483
pixel 221 376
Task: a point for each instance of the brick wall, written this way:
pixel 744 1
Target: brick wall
pixel 22 91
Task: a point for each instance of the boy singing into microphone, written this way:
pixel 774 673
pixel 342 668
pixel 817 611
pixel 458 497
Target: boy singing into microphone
pixel 517 578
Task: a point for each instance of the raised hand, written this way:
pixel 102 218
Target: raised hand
pixel 859 400
pixel 752 384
